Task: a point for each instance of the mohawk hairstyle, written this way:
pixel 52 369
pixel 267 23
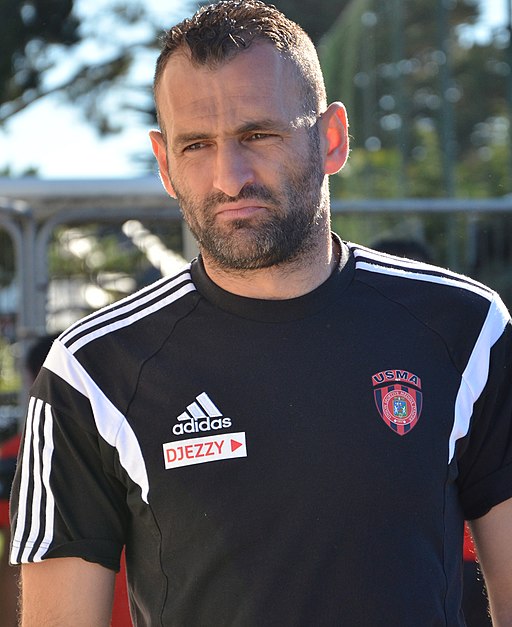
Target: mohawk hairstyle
pixel 218 32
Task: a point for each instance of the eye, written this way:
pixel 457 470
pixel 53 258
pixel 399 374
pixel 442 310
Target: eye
pixel 260 136
pixel 193 147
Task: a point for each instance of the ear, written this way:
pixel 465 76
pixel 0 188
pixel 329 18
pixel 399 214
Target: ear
pixel 160 152
pixel 334 133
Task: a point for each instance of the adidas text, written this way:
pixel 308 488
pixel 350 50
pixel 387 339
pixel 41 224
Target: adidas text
pixel 198 426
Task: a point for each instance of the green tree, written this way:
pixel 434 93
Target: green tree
pixel 315 16
pixel 28 29
pixel 47 48
pixel 415 84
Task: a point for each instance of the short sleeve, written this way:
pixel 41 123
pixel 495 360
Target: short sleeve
pixel 485 466
pixel 67 499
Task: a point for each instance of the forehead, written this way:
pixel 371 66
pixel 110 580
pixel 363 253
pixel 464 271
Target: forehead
pixel 257 83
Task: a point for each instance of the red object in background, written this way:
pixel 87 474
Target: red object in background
pixel 469 551
pixel 121 608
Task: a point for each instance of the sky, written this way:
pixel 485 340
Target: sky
pixel 55 139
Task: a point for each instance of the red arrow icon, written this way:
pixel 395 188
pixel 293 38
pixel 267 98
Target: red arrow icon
pixel 235 445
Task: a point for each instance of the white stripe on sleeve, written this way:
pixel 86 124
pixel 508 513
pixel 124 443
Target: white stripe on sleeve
pixel 474 377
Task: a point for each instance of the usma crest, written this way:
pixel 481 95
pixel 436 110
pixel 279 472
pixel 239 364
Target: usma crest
pixel 398 398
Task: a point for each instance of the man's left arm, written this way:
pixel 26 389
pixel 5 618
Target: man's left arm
pixel 493 538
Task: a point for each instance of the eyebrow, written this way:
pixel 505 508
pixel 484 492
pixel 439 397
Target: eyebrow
pixel 263 125
pixel 187 138
pixel 248 127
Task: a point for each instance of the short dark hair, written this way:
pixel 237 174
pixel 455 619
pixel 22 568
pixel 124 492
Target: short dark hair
pixel 218 32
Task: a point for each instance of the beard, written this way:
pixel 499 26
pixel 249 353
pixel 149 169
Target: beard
pixel 297 210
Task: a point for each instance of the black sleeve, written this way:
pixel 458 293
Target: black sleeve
pixel 67 500
pixel 485 467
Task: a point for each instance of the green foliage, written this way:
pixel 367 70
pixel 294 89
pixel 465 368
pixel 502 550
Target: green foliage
pixel 28 28
pixel 9 377
pixel 103 256
pixel 8 171
pixel 46 48
pixel 90 250
pixel 427 106
pixel 340 51
pixel 383 174
pixel 315 16
pixel 485 173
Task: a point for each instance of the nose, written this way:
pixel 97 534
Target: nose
pixel 233 168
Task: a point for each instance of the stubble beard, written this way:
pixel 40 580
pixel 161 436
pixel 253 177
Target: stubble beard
pixel 297 213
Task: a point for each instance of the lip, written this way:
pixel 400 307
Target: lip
pixel 239 210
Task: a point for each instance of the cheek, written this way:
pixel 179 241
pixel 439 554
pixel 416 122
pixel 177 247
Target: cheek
pixel 192 177
pixel 289 159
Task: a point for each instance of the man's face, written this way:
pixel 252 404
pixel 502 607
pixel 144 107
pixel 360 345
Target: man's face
pixel 242 160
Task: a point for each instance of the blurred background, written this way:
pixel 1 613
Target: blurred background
pixel 84 220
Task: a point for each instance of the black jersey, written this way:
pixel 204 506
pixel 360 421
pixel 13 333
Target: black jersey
pixel 275 463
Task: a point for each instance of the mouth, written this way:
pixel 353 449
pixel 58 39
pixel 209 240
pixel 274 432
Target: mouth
pixel 239 210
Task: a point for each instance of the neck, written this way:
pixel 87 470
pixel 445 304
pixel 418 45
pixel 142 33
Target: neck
pixel 281 282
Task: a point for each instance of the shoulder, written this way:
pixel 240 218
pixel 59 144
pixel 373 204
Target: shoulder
pixel 417 279
pixel 457 308
pixel 137 314
pixel 102 354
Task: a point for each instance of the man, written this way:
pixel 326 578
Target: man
pixel 259 427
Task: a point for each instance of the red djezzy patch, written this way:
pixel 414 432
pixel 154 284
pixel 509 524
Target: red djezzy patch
pixel 398 398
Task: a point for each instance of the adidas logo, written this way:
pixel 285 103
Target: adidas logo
pixel 201 415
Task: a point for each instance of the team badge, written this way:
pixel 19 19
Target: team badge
pixel 398 398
